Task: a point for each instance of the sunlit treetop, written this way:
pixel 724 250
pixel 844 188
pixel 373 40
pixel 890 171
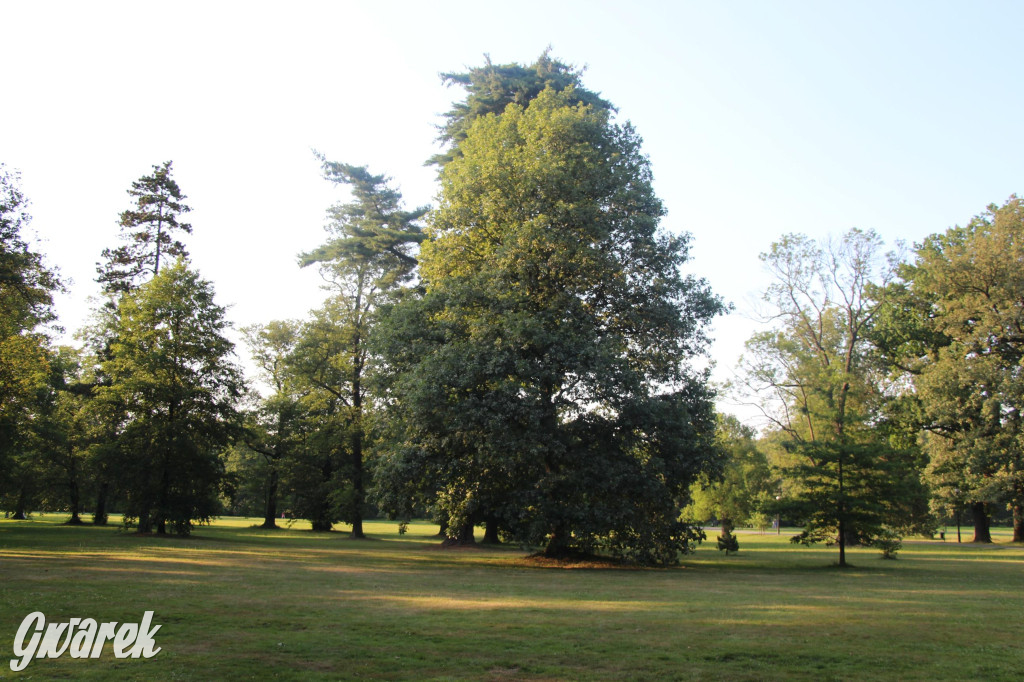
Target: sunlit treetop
pixel 491 88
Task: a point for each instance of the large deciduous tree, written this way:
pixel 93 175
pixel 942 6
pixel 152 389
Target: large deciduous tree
pixel 969 283
pixel 543 380
pixel 27 286
pixel 273 426
pixel 820 382
pixel 172 381
pixel 745 488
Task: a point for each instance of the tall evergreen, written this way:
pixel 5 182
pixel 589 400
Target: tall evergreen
pixel 369 254
pixel 492 87
pixel 150 231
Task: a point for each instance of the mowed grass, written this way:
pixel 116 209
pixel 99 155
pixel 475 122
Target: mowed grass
pixel 236 602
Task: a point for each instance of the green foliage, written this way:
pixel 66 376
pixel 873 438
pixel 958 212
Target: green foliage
pixel 825 388
pixel 148 230
pixel 274 424
pixel 740 492
pixel 542 380
pixel 491 88
pixel 890 543
pixel 369 255
pixel 967 284
pixel 845 489
pixel 63 435
pixel 27 286
pixel 371 237
pixel 172 381
pixel 728 542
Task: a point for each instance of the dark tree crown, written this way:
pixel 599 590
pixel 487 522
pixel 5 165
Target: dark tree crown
pixel 148 231
pixel 491 88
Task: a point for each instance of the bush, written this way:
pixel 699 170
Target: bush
pixel 728 542
pixel 890 543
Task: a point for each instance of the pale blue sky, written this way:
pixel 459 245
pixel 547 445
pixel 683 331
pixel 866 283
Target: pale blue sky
pixel 760 118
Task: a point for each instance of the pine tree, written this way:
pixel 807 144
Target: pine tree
pixel 149 230
pixel 369 255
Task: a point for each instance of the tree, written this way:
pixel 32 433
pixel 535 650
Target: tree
pixel 314 436
pixel 172 380
pixel 27 286
pixel 149 230
pixel 968 282
pixel 743 490
pixel 491 88
pixel 273 423
pixel 368 255
pixel 819 381
pixel 64 433
pixel 543 378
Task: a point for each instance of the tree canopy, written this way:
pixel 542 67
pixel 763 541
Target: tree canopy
pixel 27 286
pixel 543 379
pixel 819 380
pixel 172 379
pixel 968 288
pixel 492 87
pixel 149 231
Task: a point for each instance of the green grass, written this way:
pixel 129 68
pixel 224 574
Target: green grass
pixel 240 603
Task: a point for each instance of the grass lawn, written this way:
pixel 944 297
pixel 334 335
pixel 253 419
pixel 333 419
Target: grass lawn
pixel 235 602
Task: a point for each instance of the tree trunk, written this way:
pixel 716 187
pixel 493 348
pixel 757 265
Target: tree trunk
pixel 357 446
pixel 464 538
pixel 1018 523
pixel 21 509
pixel 443 533
pixel 270 509
pixel 842 543
pixel 491 533
pixel 357 484
pixel 99 515
pixel 73 495
pixel 982 533
pixel 842 512
pixel 558 546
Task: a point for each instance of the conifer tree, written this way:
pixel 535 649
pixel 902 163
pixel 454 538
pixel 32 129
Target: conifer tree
pixel 369 254
pixel 150 232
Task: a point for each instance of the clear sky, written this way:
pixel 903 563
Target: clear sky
pixel 760 118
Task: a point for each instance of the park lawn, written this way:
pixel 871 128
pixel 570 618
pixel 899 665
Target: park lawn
pixel 236 602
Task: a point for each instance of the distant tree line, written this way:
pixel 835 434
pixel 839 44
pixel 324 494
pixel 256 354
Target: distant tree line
pixel 521 357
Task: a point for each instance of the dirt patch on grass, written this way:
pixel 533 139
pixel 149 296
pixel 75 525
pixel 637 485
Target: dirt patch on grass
pixel 457 547
pixel 576 562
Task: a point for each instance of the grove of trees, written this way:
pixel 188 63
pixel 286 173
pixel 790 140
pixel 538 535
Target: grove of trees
pixel 527 356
